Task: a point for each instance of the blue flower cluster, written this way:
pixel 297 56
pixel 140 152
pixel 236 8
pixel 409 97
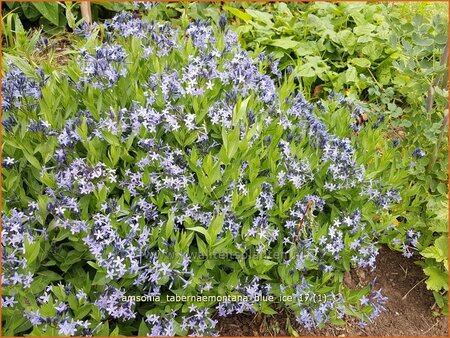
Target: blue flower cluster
pixel 132 184
pixel 19 90
pixel 103 68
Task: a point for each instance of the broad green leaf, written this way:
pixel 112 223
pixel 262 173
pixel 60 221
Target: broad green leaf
pixel 32 160
pixel 114 6
pixel 202 249
pixel 202 231
pixel 104 329
pixel 169 226
pixel 266 309
pixel 373 50
pixel 207 164
pixel 83 311
pixel 422 41
pixel 264 265
pixel 261 16
pixel 284 10
pixel 143 329
pixel 241 15
pixel 115 332
pixel 363 29
pixel 111 138
pixel 240 110
pixel 361 62
pixel 348 40
pixel 216 226
pixel 438 226
pixel 285 43
pixel 31 250
pixel 351 75
pixel 438 251
pixel 306 70
pixel 50 10
pixel 49 275
pixel 437 279
pixel 233 142
pixel 73 303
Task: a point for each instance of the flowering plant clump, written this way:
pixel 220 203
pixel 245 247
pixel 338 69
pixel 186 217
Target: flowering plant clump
pixel 167 178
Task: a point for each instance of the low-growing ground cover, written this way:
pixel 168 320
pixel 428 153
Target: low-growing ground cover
pixel 161 159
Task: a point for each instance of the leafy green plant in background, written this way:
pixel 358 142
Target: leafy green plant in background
pixel 233 163
pixel 55 16
pixel 52 16
pixel 31 45
pixel 436 256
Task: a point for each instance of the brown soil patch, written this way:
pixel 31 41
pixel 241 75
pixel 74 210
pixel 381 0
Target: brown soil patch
pixel 404 316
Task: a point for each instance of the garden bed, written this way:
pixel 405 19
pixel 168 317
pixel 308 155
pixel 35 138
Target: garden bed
pixel 284 156
pixel 396 275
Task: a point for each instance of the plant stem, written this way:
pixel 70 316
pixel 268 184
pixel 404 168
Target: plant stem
pixel 430 95
pixel 438 143
pixel 86 12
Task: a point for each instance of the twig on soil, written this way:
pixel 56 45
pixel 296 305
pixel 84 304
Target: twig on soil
pixel 364 332
pixel 258 318
pixel 405 271
pixel 404 297
pixel 431 327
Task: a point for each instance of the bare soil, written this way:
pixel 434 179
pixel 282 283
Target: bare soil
pixel 396 275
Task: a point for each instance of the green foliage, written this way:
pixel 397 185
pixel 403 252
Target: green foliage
pixel 387 55
pixel 55 16
pixel 436 257
pixel 371 52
